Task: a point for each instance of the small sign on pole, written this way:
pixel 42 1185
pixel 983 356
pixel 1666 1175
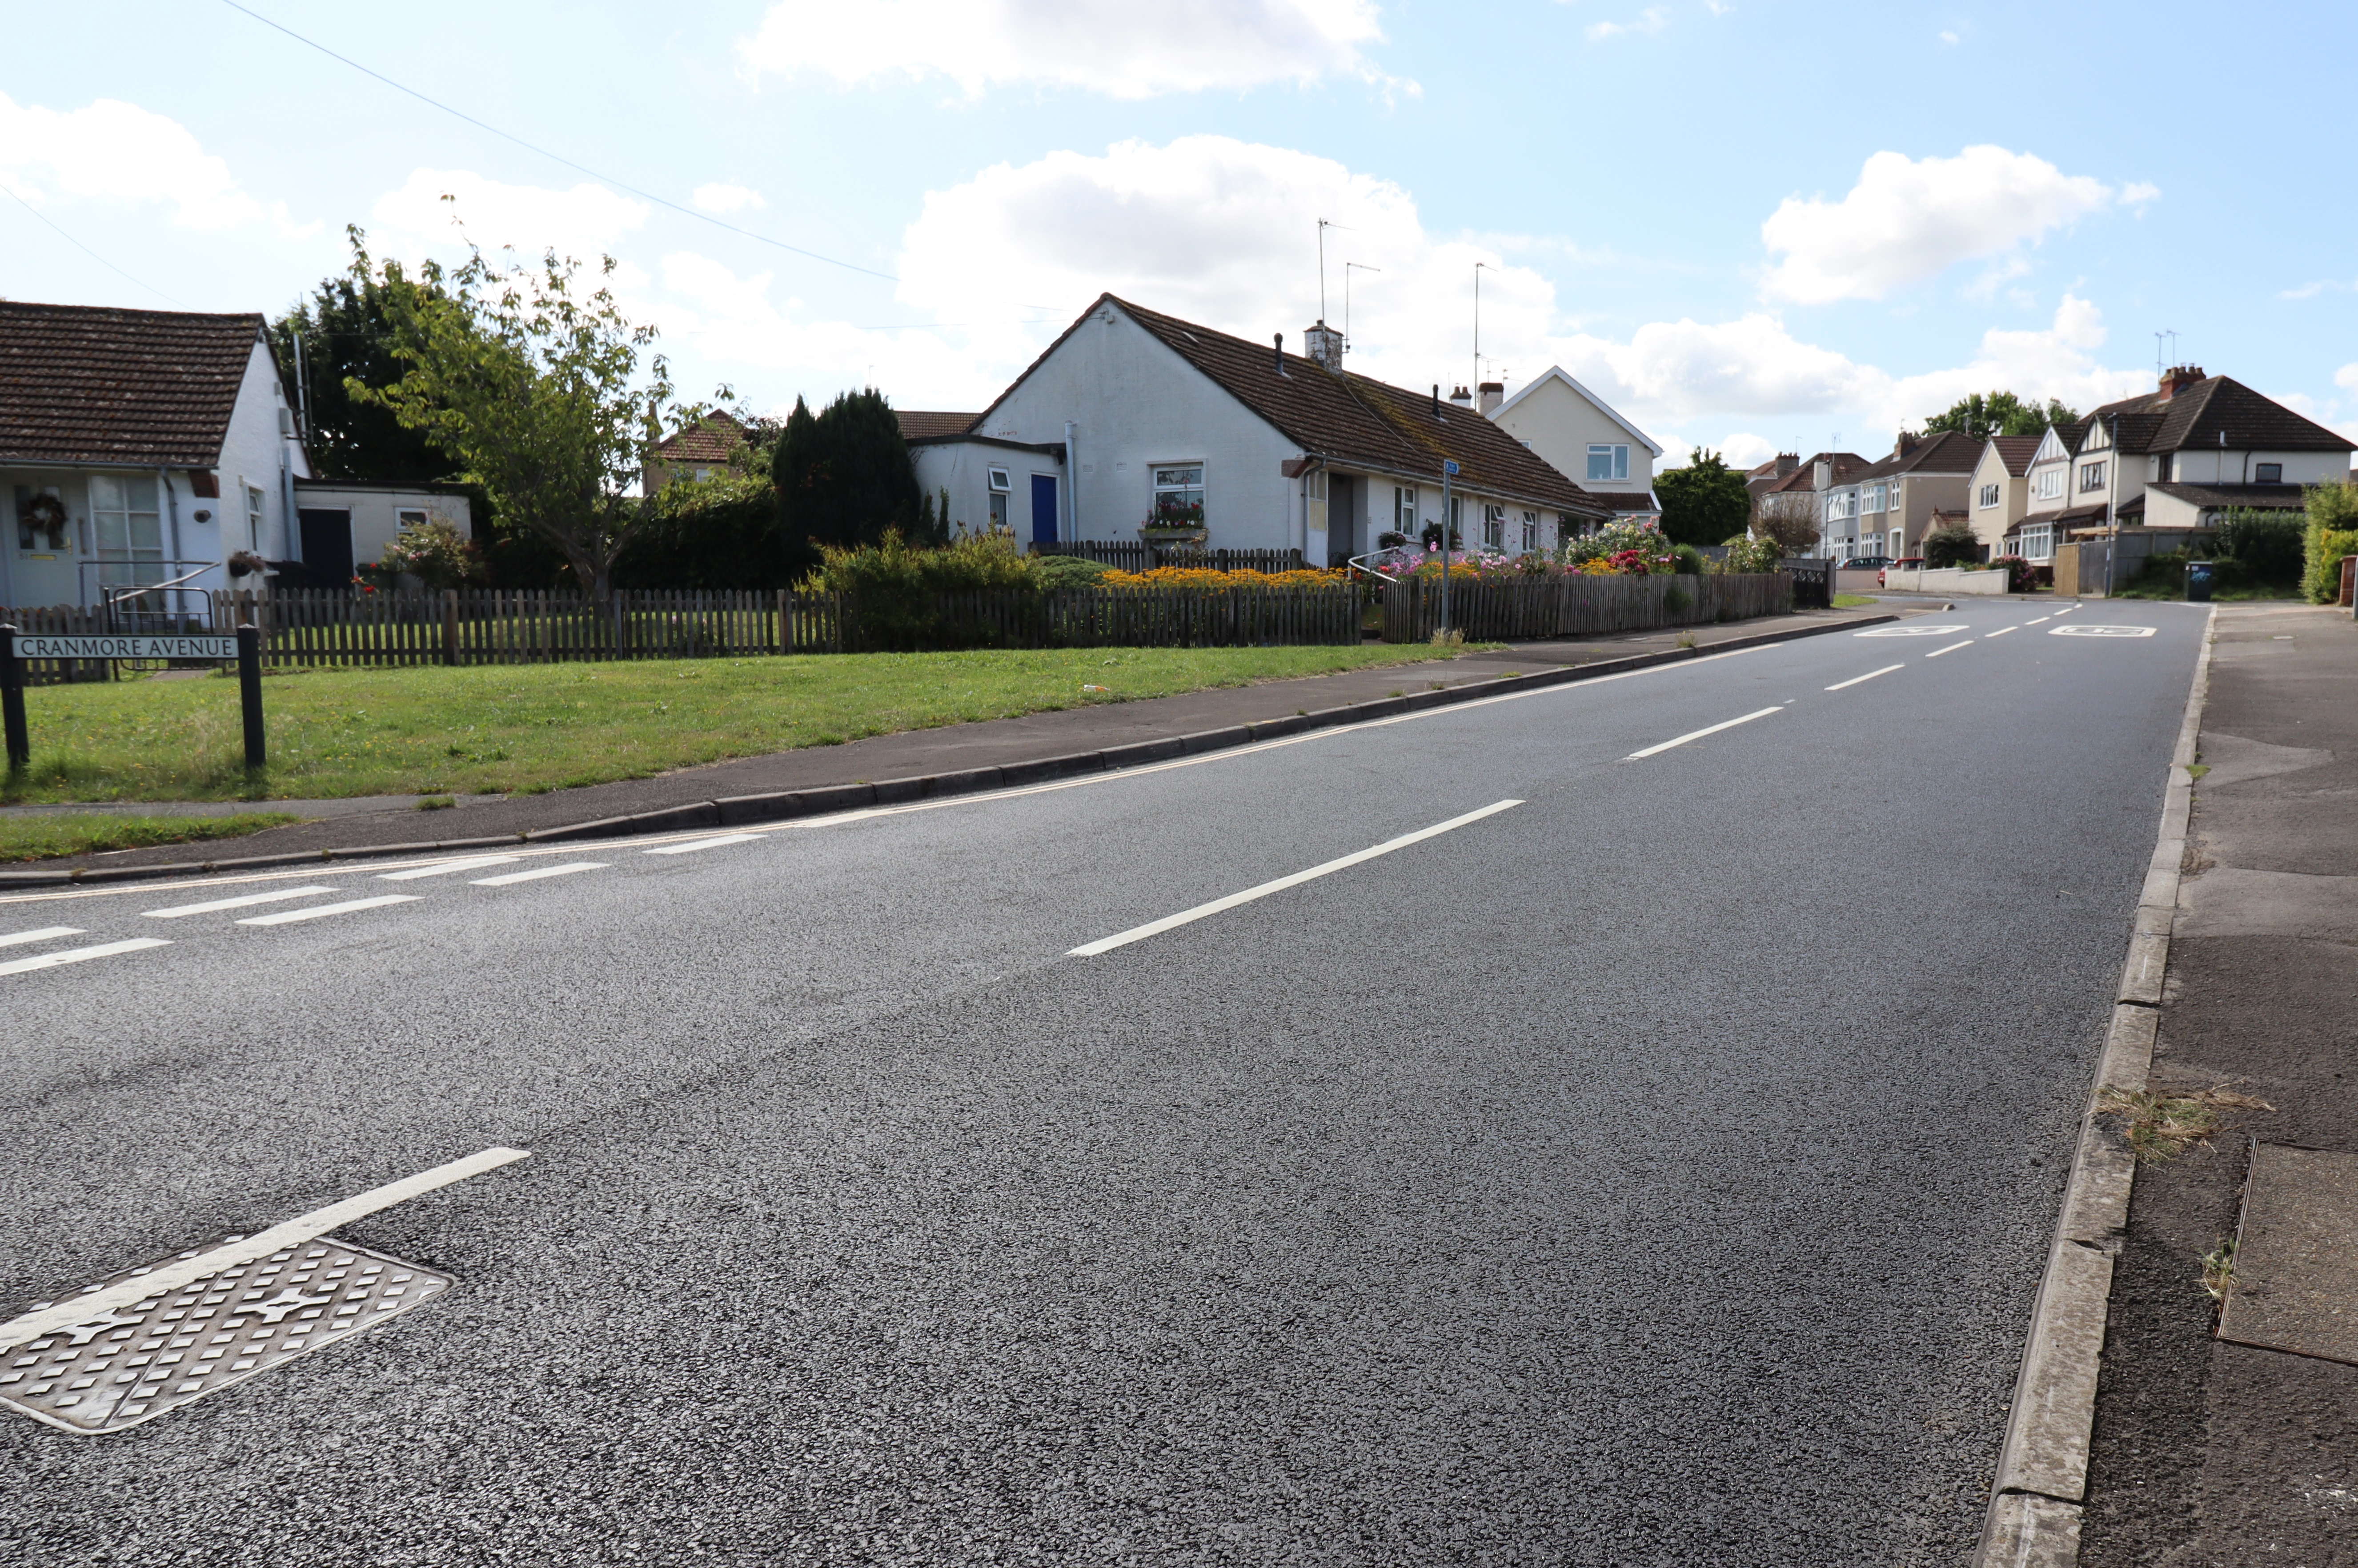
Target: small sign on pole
pixel 16 646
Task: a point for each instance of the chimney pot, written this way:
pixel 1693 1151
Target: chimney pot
pixel 1323 345
pixel 1494 393
pixel 2178 377
pixel 1460 398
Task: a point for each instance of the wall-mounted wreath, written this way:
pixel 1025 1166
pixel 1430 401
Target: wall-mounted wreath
pixel 42 515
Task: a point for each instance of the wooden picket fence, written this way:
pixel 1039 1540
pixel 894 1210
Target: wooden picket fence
pixel 64 620
pixel 1575 604
pixel 1138 556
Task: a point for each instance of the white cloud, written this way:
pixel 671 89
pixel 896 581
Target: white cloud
pixel 1742 449
pixel 723 197
pixel 584 222
pixel 1114 46
pixel 1906 221
pixel 2345 378
pixel 1947 38
pixel 120 151
pixel 1652 19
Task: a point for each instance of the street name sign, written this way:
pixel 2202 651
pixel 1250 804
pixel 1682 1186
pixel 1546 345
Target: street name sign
pixel 127 645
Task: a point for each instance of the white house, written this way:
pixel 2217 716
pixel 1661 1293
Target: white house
pixel 144 446
pixel 1581 435
pixel 1130 414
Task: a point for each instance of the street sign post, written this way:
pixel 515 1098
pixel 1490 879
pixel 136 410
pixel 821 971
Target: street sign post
pixel 16 646
pixel 1448 472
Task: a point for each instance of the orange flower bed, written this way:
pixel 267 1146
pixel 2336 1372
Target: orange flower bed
pixel 1204 577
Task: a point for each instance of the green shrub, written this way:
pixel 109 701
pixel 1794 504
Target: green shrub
pixel 2267 544
pixel 1746 554
pixel 896 587
pixel 1675 599
pixel 1688 561
pixel 1951 545
pixel 705 533
pixel 1066 572
pixel 2332 532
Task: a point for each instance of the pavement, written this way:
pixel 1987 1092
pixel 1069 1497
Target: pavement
pixel 395 819
pixel 2207 1452
pixel 1476 1147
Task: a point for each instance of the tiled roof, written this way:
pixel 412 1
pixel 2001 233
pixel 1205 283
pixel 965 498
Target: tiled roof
pixel 1357 420
pixel 1951 451
pixel 1624 500
pixel 2093 513
pixel 2015 452
pixel 147 388
pixel 918 425
pixel 2221 406
pixel 2135 433
pixel 709 441
pixel 2277 496
pixel 1846 466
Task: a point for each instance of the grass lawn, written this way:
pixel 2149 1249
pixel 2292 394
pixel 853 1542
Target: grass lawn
pixel 1842 601
pixel 38 838
pixel 527 728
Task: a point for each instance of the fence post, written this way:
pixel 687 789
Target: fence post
pixel 450 626
pixel 249 690
pixel 12 698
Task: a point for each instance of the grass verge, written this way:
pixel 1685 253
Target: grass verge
pixel 1842 601
pixel 42 838
pixel 529 727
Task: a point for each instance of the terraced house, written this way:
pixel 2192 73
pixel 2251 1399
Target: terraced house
pixel 1888 507
pixel 1131 416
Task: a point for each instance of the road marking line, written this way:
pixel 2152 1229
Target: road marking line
pixel 2067 610
pixel 2100 630
pixel 49 1318
pixel 288 917
pixel 2003 630
pixel 1699 734
pixel 694 845
pixel 1140 932
pixel 178 909
pixel 1869 675
pixel 2040 622
pixel 537 872
pixel 473 862
pixel 43 935
pixel 77 955
pixel 1950 649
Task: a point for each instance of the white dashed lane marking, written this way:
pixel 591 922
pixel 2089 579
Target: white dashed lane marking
pixel 2003 630
pixel 1869 675
pixel 472 863
pixel 1699 734
pixel 179 910
pixel 694 844
pixel 1950 649
pixel 539 872
pixel 288 917
pixel 2040 622
pixel 80 955
pixel 46 933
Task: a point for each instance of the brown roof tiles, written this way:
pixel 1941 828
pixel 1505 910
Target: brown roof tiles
pixel 85 384
pixel 921 425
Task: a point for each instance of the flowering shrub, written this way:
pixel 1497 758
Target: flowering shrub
pixel 1176 514
pixel 1205 576
pixel 434 553
pixel 1634 547
pixel 1746 554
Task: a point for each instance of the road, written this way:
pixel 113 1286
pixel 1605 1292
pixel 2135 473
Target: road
pixel 1656 1170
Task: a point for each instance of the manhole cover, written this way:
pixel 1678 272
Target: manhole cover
pixel 134 1363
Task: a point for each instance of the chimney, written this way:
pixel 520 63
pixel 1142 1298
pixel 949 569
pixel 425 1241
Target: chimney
pixel 1323 345
pixel 2179 376
pixel 1436 400
pixel 1821 476
pixel 1278 361
pixel 1461 398
pixel 1905 442
pixel 1787 463
pixel 1494 393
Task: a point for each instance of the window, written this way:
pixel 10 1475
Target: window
pixel 1317 484
pixel 1456 540
pixel 2268 473
pixel 1873 494
pixel 2092 476
pixel 130 531
pixel 1898 543
pixel 1988 497
pixel 1531 532
pixel 2036 543
pixel 1607 461
pixel 409 519
pixel 1179 492
pixel 2048 486
pixel 1000 485
pixel 1404 509
pixel 1494 528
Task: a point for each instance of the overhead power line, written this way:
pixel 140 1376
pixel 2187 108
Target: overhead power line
pixel 555 157
pixel 88 251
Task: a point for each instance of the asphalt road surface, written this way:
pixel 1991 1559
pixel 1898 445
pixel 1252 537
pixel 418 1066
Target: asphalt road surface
pixel 1655 1170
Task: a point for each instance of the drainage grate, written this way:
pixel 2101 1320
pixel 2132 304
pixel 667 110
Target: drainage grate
pixel 133 1363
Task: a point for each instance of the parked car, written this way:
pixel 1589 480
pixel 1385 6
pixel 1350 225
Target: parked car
pixel 1863 563
pixel 1904 564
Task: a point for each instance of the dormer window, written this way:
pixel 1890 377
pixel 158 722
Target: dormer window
pixel 2268 473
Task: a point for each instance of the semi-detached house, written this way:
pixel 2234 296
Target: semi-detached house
pixel 1130 414
pixel 1889 505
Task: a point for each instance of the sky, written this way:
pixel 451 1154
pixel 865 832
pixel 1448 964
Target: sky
pixel 1748 225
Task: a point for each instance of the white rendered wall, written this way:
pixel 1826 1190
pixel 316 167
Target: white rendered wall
pixel 376 514
pixel 2203 466
pixel 963 469
pixel 252 455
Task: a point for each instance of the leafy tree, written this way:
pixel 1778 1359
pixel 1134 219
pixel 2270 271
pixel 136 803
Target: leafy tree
pixel 345 334
pixel 1703 502
pixel 716 533
pixel 537 387
pixel 2268 542
pixel 1795 533
pixel 2332 532
pixel 1999 414
pixel 843 478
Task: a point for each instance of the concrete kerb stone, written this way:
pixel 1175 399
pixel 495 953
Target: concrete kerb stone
pixel 2041 1484
pixel 743 810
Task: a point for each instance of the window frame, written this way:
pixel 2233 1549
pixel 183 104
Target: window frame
pixel 2268 473
pixel 2092 476
pixel 997 477
pixel 1157 487
pixel 1990 497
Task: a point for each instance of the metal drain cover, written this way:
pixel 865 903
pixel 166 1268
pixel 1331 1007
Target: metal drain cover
pixel 135 1363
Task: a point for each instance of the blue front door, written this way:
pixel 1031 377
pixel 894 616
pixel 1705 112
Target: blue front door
pixel 1043 509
